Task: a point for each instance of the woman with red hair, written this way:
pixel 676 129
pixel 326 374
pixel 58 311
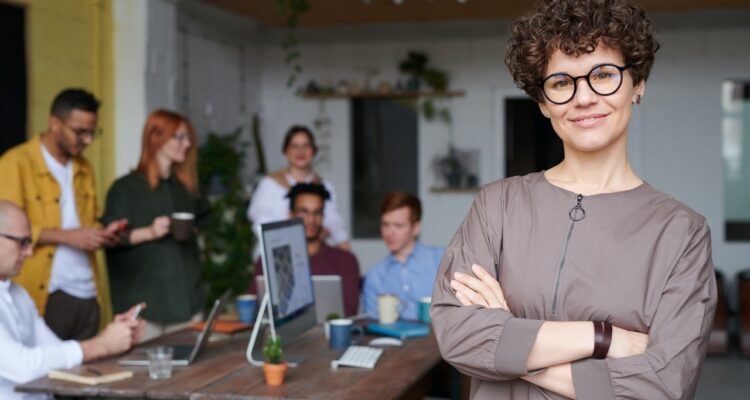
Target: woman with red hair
pixel 150 264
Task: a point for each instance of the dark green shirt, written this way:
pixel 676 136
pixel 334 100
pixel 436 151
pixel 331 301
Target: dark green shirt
pixel 164 273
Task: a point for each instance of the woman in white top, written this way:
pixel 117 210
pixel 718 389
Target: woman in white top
pixel 269 201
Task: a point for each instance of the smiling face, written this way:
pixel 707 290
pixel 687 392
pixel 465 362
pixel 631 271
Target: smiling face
pixel 591 122
pixel 175 149
pixel 309 207
pixel 73 133
pixel 299 152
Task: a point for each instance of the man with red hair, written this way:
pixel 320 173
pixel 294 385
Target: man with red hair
pixel 409 270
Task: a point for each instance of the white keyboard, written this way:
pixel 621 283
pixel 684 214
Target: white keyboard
pixel 358 356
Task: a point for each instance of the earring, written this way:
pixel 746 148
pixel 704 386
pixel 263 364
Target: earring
pixel 637 99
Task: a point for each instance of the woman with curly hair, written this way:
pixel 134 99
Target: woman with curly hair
pixel 581 281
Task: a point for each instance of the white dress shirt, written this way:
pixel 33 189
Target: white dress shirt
pixel 71 270
pixel 269 204
pixel 28 348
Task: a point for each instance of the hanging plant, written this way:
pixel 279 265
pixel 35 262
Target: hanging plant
pixel 416 65
pixel 291 10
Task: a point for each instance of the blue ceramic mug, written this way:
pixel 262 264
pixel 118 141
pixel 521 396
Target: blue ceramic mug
pixel 341 333
pixel 246 305
pixel 423 312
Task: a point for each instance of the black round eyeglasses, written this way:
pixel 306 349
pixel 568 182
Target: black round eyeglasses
pixel 603 79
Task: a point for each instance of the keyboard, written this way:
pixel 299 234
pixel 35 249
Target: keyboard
pixel 358 356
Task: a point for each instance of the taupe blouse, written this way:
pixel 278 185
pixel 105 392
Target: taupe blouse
pixel 638 258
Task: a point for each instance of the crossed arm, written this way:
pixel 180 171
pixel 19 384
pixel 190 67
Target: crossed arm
pixel 557 343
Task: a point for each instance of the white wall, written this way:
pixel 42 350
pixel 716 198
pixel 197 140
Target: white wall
pixel 129 39
pixel 219 72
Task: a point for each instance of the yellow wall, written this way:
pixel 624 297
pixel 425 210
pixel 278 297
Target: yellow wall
pixel 69 44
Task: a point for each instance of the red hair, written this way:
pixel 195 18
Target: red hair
pixel 161 126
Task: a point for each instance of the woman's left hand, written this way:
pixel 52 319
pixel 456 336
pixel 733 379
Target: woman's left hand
pixel 481 289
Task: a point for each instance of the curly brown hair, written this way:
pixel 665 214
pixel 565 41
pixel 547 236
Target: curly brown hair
pixel 576 27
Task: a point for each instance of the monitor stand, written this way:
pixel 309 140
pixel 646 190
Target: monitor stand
pixel 289 331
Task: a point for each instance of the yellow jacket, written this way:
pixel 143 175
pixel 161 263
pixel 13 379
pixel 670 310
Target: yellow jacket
pixel 27 182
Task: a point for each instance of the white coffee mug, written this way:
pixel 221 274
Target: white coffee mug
pixel 388 308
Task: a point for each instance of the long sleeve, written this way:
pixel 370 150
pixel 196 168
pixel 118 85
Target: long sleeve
pixel 489 344
pixel 332 218
pixel 268 203
pixel 677 337
pixel 116 207
pixel 22 362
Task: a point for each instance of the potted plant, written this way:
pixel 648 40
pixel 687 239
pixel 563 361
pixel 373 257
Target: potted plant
pixel 327 325
pixel 274 368
pixel 450 168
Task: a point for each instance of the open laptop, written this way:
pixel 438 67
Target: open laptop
pixel 184 355
pixel 328 295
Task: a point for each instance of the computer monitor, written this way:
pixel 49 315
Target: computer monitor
pixel 286 264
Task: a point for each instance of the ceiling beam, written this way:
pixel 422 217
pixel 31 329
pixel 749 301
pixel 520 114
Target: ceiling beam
pixel 324 13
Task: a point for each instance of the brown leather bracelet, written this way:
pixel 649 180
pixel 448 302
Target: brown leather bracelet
pixel 598 337
pixel 607 339
pixel 602 339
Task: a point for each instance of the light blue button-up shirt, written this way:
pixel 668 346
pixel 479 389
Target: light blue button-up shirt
pixel 408 280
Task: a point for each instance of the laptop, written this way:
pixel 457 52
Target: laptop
pixel 328 290
pixel 184 355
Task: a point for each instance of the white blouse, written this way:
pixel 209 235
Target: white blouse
pixel 269 204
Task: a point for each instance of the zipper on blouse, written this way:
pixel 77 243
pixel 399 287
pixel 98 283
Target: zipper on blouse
pixel 575 214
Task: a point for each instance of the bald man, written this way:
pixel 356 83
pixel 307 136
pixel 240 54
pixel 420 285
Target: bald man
pixel 28 348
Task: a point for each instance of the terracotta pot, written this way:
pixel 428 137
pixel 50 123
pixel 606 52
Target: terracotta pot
pixel 275 373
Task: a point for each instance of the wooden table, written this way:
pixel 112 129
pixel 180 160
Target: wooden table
pixel 222 372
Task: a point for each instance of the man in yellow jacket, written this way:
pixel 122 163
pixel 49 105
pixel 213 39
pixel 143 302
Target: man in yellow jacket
pixel 48 177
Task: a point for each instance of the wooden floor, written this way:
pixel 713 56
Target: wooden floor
pixel 725 378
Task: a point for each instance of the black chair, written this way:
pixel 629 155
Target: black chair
pixel 718 342
pixel 743 294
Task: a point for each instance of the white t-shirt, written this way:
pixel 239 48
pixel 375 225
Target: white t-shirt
pixel 29 348
pixel 71 271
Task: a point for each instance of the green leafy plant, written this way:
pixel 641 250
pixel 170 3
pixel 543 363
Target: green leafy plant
pixel 227 239
pixel 414 64
pixel 417 66
pixel 291 10
pixel 332 316
pixel 273 350
pixel 449 167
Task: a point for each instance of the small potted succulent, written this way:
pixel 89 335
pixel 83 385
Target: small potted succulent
pixel 274 368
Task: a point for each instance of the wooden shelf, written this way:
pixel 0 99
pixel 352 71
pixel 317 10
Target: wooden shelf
pixel 445 189
pixel 397 95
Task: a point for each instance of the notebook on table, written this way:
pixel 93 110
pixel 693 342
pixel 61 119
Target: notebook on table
pixel 184 355
pixel 88 375
pixel 399 329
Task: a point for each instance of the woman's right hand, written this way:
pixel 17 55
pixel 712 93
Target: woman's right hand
pixel 160 227
pixel 627 343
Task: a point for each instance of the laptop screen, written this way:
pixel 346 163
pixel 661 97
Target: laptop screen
pixel 210 321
